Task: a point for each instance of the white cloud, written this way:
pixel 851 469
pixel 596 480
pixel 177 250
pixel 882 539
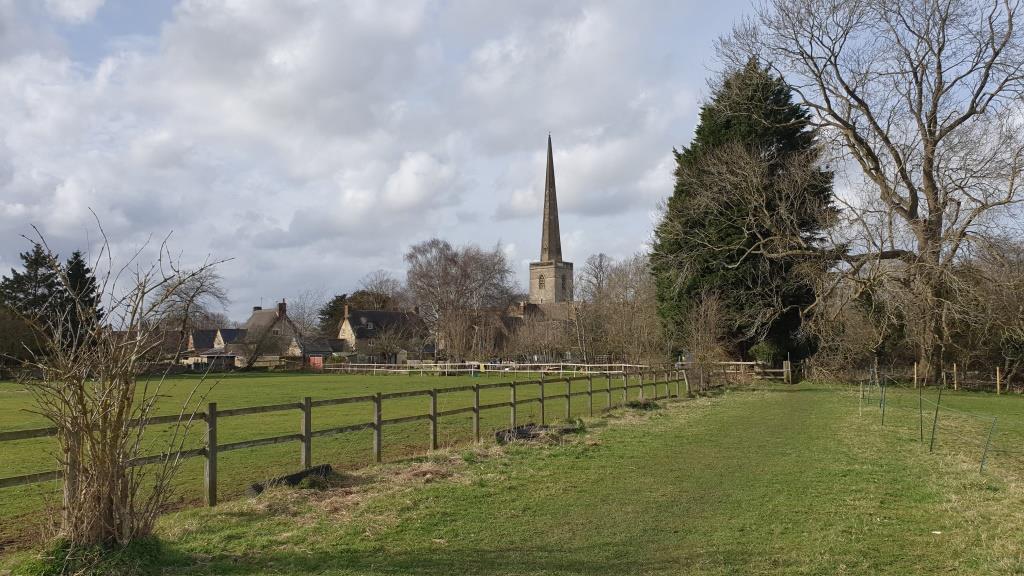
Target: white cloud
pixel 74 11
pixel 317 140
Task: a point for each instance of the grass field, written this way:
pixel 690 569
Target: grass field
pixel 782 480
pixel 20 507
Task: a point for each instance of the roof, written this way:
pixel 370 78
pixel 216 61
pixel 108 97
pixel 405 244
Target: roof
pixel 203 339
pixel 370 323
pixel 316 345
pixel 261 319
pixel 231 335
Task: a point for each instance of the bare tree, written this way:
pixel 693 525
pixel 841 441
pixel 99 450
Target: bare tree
pixel 382 291
pixel 88 382
pixel 926 99
pixel 304 310
pixel 197 302
pixel 455 286
pixel 705 336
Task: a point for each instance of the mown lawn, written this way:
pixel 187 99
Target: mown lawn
pixel 798 480
pixel 24 510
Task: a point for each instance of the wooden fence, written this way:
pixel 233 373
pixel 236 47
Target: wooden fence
pixel 656 380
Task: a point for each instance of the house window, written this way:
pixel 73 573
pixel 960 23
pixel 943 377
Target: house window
pixel 275 332
pixel 540 281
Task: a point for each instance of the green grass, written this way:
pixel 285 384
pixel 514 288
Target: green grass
pixel 23 510
pixel 782 480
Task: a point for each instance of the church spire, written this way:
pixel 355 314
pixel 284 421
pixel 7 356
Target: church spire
pixel 551 240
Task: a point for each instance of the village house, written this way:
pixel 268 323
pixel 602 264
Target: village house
pixel 389 336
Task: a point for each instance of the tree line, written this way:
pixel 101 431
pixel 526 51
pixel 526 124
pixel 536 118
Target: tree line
pixel 917 106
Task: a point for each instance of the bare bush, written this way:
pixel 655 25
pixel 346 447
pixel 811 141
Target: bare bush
pixel 88 382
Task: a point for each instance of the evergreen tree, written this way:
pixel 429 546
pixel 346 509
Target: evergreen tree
pixel 83 289
pixel 34 292
pixel 746 214
pixel 330 315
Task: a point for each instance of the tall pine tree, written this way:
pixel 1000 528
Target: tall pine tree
pixel 744 220
pixel 36 291
pixel 82 294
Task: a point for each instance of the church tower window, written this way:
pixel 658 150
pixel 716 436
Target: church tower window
pixel 540 282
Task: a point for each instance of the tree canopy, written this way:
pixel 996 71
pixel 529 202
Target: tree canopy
pixel 745 219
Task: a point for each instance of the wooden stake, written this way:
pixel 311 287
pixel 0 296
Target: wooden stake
pixel 999 381
pixel 210 475
pixel 307 432
pixel 956 380
pixel 915 374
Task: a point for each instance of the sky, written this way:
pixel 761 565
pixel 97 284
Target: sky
pixel 309 143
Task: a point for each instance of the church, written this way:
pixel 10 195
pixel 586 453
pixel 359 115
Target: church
pixel 551 279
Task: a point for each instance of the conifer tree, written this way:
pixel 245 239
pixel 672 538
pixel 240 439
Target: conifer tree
pixel 36 290
pixel 745 219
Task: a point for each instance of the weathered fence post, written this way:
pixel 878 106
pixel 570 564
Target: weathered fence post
pixel 956 379
pixel 476 412
pixel 935 422
pixel 686 380
pixel 307 432
pixel 999 381
pixel 542 400
pixel 433 418
pixel 378 428
pixel 590 393
pixel 210 472
pixel 675 376
pixel 625 387
pixel 920 411
pixel 568 399
pixel 915 374
pixel 608 380
pixel 988 441
pixel 641 386
pixel 883 403
pixel 512 404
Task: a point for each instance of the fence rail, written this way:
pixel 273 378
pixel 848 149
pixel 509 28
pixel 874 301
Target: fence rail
pixel 660 382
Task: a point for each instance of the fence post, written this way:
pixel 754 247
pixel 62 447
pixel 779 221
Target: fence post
pixel 956 379
pixel 210 473
pixel 883 403
pixel 915 374
pixel 542 400
pixel 625 387
pixel 433 418
pixel 568 399
pixel 378 428
pixel 988 441
pixel 608 379
pixel 590 393
pixel 999 381
pixel 686 380
pixel 675 376
pixel 935 422
pixel 641 386
pixel 920 411
pixel 512 407
pixel 307 432
pixel 476 412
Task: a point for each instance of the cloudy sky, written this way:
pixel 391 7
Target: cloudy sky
pixel 314 141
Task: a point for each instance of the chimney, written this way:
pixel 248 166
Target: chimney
pixel 257 308
pixel 282 308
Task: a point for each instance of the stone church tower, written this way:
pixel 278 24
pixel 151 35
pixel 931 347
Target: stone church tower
pixel 550 278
